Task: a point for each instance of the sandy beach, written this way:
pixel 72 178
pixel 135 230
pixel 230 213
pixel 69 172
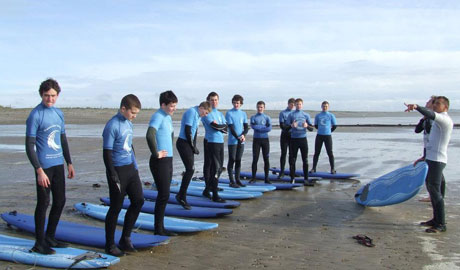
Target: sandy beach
pixel 307 228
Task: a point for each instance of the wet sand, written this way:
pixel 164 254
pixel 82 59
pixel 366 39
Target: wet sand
pixel 308 228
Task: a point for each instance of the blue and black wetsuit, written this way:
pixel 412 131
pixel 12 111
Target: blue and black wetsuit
pixel 238 125
pixel 285 137
pixel 299 141
pixel 325 123
pixel 262 125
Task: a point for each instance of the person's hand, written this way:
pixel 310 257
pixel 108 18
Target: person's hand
pixel 116 181
pixel 71 171
pixel 162 154
pixel 242 138
pixel 195 150
pixel 410 107
pixel 294 124
pixel 305 124
pixel 42 178
pixel 419 160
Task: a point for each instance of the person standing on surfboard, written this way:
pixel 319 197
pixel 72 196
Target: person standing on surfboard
pixel 237 121
pixel 186 145
pixel 160 136
pixel 45 132
pixel 215 127
pixel 285 136
pixel 325 123
pixel 436 158
pixel 425 125
pixel 122 174
pixel 300 122
pixel 262 125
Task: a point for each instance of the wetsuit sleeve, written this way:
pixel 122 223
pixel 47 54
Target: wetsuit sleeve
pixel 310 128
pixel 427 113
pixel 427 126
pixel 195 149
pixel 419 127
pixel 188 135
pixel 108 162
pixel 332 128
pixel 152 141
pixel 133 156
pixel 65 149
pixel 31 154
pixel 232 130
pixel 245 129
pixel 220 127
pixel 316 126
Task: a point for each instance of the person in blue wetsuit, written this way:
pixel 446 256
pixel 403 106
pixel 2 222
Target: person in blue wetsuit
pixel 325 123
pixel 436 158
pixel 160 135
pixel 122 174
pixel 237 121
pixel 215 127
pixel 300 122
pixel 285 137
pixel 47 149
pixel 186 145
pixel 262 125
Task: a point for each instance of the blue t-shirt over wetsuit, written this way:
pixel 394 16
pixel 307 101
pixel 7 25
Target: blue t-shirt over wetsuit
pixel 118 137
pixel 261 124
pixel 190 118
pixel 212 135
pixel 162 122
pixel 46 124
pixel 325 121
pixel 237 118
pixel 300 117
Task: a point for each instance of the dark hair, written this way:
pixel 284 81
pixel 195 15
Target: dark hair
pixel 205 105
pixel 237 98
pixel 291 100
pixel 212 94
pixel 446 100
pixel 260 103
pixel 298 99
pixel 168 97
pixel 325 102
pixel 130 101
pixel 48 84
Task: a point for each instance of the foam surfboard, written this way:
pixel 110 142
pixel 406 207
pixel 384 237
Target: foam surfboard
pixel 250 188
pixel 278 186
pixel 18 250
pixel 179 211
pixel 192 200
pixel 394 187
pixel 271 177
pixel 319 174
pixel 227 195
pixel 82 234
pixel 146 221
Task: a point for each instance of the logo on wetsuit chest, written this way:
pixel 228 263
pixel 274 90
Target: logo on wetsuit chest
pixel 51 139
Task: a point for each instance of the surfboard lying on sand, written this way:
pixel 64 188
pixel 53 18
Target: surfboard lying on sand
pixel 147 221
pixel 227 195
pixel 271 177
pixel 250 188
pixel 82 234
pixel 18 250
pixel 277 185
pixel 319 174
pixel 394 187
pixel 179 211
pixel 192 200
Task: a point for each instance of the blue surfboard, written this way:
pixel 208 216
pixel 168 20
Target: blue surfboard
pixel 147 221
pixel 18 250
pixel 82 234
pixel 319 174
pixel 394 187
pixel 192 200
pixel 227 195
pixel 271 177
pixel 250 188
pixel 179 211
pixel 277 185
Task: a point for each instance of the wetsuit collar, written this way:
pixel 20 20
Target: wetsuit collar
pixel 121 116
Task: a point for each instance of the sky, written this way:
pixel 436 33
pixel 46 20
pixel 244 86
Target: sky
pixel 359 55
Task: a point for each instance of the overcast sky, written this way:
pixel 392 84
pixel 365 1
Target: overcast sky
pixel 358 55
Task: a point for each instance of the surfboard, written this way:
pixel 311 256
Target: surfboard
pixel 319 174
pixel 192 200
pixel 179 211
pixel 278 186
pixel 227 195
pixel 82 234
pixel 18 250
pixel 395 187
pixel 146 221
pixel 271 177
pixel 263 188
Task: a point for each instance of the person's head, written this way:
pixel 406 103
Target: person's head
pixel 430 102
pixel 130 106
pixel 325 106
pixel 168 102
pixel 204 108
pixel 213 99
pixel 49 91
pixel 291 103
pixel 298 104
pixel 441 104
pixel 260 106
pixel 237 101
